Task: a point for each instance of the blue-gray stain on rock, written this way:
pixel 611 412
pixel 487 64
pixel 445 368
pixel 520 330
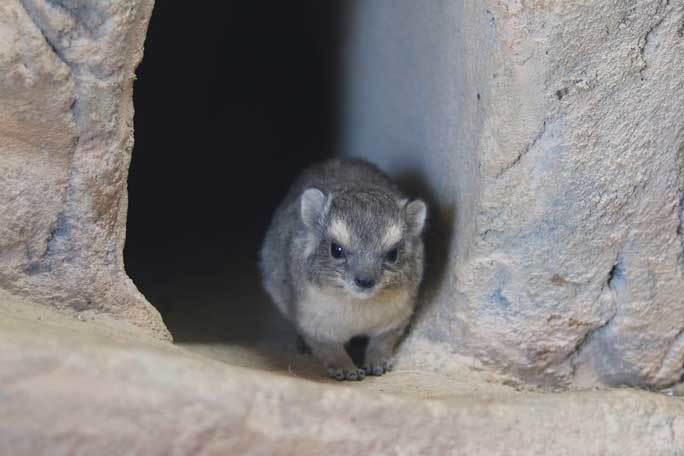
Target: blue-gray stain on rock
pixel 498 298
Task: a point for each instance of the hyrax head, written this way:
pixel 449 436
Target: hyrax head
pixel 362 241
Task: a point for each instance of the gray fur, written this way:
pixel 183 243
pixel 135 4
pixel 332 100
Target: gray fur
pixel 351 203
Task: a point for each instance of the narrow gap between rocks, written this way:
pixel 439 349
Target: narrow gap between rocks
pixel 232 101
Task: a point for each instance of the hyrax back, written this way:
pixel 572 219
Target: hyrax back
pixel 343 257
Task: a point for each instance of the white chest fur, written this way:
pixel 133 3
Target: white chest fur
pixel 337 317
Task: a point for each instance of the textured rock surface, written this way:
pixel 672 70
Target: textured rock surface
pixel 556 129
pixel 66 73
pixel 66 389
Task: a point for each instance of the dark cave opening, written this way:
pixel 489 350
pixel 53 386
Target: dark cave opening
pixel 232 101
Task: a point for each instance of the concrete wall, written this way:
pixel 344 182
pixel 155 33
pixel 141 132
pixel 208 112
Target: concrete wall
pixel 549 136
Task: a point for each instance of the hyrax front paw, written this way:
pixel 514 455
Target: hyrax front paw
pixel 378 368
pixel 346 374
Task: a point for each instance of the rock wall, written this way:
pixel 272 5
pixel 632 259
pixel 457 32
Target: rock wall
pixel 66 133
pixel 550 137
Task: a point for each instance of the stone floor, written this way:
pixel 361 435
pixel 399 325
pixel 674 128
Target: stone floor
pixel 235 384
pixel 79 387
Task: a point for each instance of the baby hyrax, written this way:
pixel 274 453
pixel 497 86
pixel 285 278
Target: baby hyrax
pixel 343 257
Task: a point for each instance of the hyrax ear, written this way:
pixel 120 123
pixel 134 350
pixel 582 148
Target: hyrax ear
pixel 312 207
pixel 415 213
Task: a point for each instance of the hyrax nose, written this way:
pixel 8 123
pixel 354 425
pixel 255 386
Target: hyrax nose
pixel 362 282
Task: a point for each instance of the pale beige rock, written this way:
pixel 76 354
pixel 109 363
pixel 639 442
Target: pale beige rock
pixel 556 131
pixel 66 73
pixel 67 389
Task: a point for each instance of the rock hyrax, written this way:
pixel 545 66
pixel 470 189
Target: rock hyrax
pixel 343 257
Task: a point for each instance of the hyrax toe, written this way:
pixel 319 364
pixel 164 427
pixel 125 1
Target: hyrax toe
pixel 356 374
pixel 378 369
pixel 343 374
pixel 337 374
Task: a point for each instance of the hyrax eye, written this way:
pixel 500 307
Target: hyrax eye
pixel 392 255
pixel 336 250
